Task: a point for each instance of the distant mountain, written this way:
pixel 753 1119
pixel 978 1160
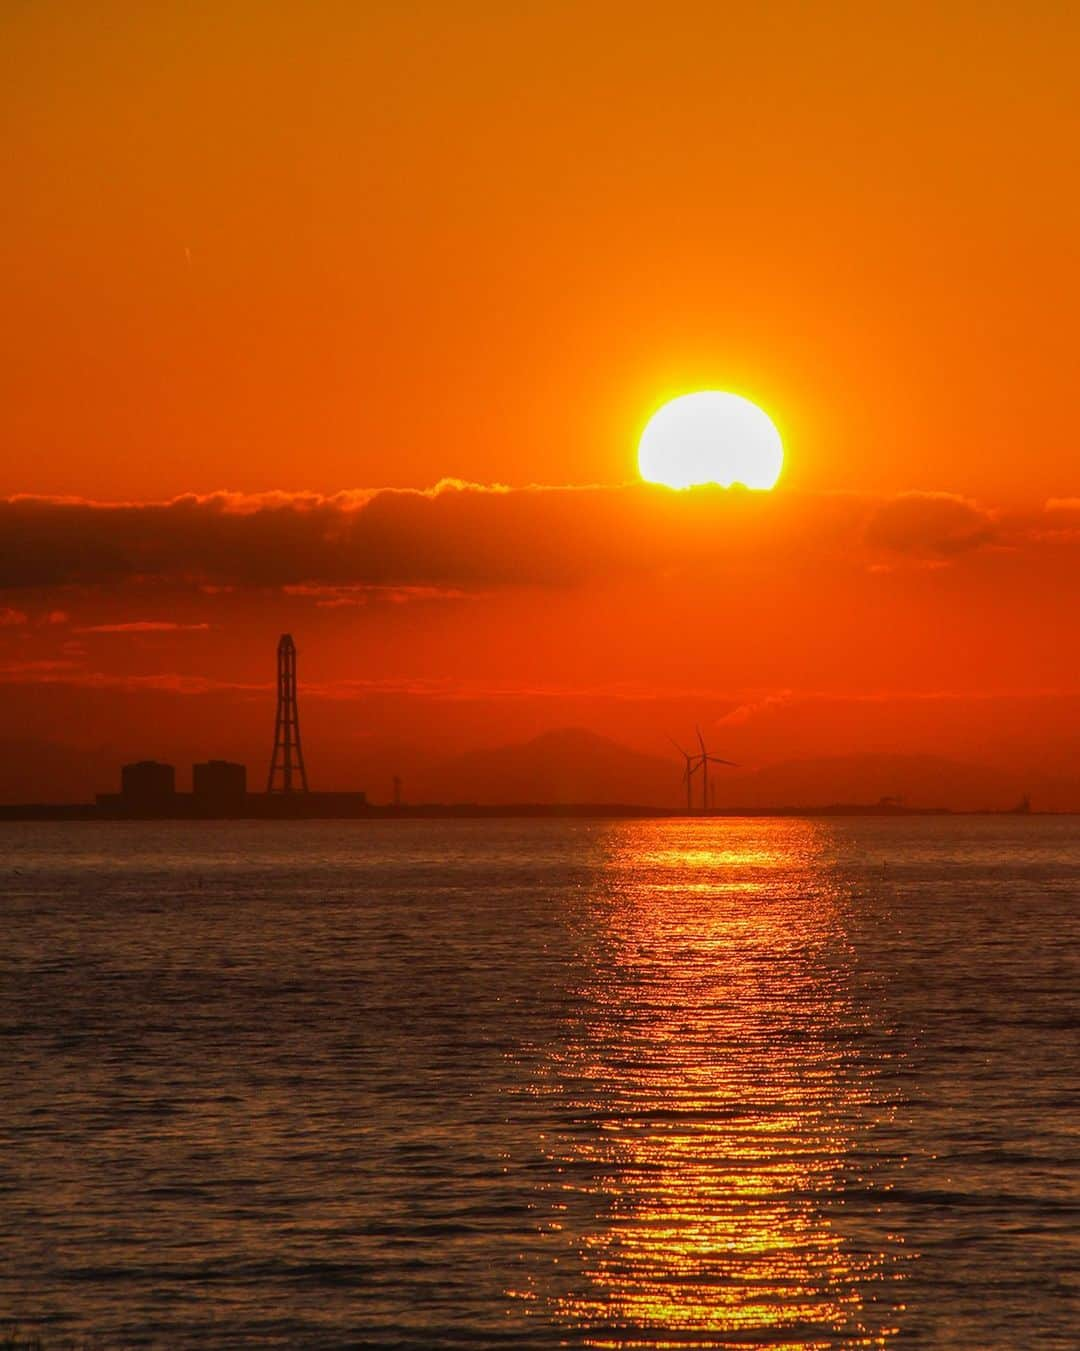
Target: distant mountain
pixel 566 765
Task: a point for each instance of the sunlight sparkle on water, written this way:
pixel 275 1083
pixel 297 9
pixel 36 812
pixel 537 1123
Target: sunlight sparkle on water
pixel 708 1048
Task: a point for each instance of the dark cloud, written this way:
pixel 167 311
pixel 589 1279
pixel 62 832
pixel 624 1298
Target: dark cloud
pixel 464 536
pixel 451 536
pixel 930 525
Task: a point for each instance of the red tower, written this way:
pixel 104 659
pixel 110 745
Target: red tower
pixel 287 772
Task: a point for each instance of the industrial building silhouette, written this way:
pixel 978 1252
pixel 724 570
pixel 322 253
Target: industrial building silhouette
pixel 219 787
pixel 148 782
pixel 219 783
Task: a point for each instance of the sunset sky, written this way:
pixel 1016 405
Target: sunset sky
pixel 346 319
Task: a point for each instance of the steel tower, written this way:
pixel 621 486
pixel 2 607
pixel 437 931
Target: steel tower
pixel 287 772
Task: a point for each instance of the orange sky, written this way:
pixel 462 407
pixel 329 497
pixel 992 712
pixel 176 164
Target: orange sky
pixel 332 248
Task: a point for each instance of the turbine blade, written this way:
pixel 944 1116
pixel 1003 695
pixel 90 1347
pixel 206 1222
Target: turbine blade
pixel 701 741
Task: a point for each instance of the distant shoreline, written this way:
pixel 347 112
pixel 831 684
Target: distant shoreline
pixel 263 808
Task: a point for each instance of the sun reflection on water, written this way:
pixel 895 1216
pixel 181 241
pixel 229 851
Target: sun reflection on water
pixel 714 1091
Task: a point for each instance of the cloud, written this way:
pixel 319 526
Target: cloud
pixel 10 619
pixel 930 525
pixel 33 669
pixel 144 626
pixel 456 537
pixel 68 673
pixel 336 597
pixel 753 708
pixel 452 534
pixel 1061 521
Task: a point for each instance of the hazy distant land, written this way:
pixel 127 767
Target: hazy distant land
pixel 576 772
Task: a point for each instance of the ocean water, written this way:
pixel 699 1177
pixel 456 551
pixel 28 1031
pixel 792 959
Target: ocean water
pixel 782 1083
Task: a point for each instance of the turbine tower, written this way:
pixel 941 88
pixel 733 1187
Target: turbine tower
pixel 692 766
pixel 705 760
pixel 287 772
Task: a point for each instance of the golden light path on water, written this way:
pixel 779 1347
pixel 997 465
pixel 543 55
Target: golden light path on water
pixel 714 1094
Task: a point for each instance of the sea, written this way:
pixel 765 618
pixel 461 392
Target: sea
pixel 624 1084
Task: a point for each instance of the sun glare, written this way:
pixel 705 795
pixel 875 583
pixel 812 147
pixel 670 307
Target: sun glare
pixel 710 437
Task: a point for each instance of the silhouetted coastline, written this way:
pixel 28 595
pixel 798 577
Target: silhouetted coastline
pixel 346 807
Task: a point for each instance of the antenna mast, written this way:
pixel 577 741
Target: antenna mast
pixel 287 761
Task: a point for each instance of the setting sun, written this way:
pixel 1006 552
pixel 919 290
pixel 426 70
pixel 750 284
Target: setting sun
pixel 710 437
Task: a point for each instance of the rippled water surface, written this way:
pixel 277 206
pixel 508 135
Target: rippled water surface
pixel 632 1084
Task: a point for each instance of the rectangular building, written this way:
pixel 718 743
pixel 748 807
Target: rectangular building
pixel 219 785
pixel 147 785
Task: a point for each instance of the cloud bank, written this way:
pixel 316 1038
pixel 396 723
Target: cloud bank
pixel 460 535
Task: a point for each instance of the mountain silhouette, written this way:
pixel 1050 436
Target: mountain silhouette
pixel 566 765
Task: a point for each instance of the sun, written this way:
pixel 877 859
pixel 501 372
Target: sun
pixel 710 437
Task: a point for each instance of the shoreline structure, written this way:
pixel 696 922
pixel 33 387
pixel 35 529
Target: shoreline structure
pixel 346 807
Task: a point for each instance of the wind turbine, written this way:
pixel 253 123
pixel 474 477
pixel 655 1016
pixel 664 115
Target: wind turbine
pixel 704 760
pixel 692 763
